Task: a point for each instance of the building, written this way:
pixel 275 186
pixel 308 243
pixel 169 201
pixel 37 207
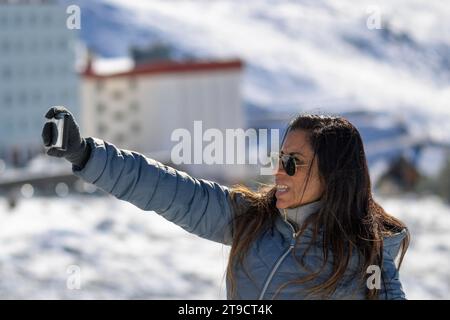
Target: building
pixel 37 70
pixel 140 108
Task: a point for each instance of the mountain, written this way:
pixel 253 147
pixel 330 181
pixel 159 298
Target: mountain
pixel 317 56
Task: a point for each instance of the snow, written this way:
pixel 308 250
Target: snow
pixel 124 252
pixel 426 269
pixel 107 66
pixel 39 167
pixel 432 161
pixel 315 56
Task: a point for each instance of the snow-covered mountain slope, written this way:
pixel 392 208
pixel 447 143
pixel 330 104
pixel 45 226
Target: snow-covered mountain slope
pixel 302 55
pixel 119 252
pixel 123 252
pixel 425 269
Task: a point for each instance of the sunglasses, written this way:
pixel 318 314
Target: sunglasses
pixel 288 162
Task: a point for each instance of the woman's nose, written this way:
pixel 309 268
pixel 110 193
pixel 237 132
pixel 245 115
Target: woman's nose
pixel 279 170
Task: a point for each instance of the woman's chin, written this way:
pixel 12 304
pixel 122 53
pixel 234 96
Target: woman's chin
pixel 281 204
pixel 283 199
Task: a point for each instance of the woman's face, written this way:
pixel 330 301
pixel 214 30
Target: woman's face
pixel 290 188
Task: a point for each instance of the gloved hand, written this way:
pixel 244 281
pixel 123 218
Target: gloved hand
pixel 77 151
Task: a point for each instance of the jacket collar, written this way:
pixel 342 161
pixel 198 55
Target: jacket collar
pixel 294 217
pixel 300 213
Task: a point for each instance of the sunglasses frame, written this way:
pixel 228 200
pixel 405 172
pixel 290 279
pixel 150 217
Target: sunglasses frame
pixel 289 166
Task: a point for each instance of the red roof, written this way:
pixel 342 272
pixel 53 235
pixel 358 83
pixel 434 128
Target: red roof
pixel 171 67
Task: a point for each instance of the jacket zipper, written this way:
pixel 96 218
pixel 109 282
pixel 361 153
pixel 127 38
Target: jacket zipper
pixel 279 261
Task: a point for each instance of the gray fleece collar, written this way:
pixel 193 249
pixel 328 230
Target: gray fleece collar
pixel 300 213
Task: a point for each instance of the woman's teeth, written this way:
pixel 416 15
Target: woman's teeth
pixel 282 188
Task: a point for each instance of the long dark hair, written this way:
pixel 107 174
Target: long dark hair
pixel 350 220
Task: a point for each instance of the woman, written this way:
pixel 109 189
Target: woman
pixel 316 234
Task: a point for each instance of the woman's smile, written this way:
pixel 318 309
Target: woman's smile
pixel 281 189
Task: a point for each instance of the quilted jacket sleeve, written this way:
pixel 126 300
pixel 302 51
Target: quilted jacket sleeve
pixel 199 206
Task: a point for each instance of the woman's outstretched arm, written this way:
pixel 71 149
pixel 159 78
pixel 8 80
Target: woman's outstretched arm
pixel 199 206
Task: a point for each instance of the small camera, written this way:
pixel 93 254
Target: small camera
pixel 60 121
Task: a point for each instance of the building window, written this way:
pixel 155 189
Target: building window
pixel 102 129
pixel 3 21
pixel 119 116
pixel 32 20
pixel 63 69
pixel 23 98
pixel 134 107
pixel 47 19
pixel 50 97
pixel 135 128
pixel 48 45
pixel 7 99
pixel 18 21
pixel 117 95
pixel 35 71
pixel 37 96
pixel 33 46
pixel 101 108
pixel 6 73
pixel 62 44
pixel 49 70
pixel 23 124
pixel 20 72
pixel 6 46
pixel 8 126
pixel 133 83
pixel 19 46
pixel 99 85
pixel 120 138
pixel 65 95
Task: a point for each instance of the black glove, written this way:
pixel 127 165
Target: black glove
pixel 77 151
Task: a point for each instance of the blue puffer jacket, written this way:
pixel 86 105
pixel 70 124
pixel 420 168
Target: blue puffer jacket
pixel 205 209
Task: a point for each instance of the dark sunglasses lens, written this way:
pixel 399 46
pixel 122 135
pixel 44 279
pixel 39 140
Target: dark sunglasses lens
pixel 289 165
